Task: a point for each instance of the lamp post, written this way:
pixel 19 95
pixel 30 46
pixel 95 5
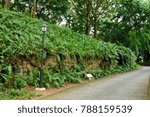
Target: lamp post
pixel 105 47
pixel 44 27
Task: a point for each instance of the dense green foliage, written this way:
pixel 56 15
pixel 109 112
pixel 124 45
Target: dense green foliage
pixel 48 10
pixel 125 22
pixel 20 53
pixel 23 37
pixel 16 94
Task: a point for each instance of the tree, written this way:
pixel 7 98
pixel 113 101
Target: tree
pixel 52 11
pixel 7 4
pixel 129 17
pixel 100 11
pixel 86 15
pixel 33 13
pixel 129 26
pixel 125 22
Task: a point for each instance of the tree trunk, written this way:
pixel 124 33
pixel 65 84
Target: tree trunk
pixel 33 12
pixel 88 8
pixel 7 4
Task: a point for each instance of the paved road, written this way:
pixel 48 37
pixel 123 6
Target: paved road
pixel 127 86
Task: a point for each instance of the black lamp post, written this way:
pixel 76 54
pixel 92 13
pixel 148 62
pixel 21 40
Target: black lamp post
pixel 44 27
pixel 105 47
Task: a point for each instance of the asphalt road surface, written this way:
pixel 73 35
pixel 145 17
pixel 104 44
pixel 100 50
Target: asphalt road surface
pixel 127 86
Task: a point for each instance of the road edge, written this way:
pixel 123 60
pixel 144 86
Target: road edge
pixel 84 82
pixel 149 89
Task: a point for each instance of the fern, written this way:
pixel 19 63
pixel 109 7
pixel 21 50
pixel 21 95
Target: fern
pixel 21 37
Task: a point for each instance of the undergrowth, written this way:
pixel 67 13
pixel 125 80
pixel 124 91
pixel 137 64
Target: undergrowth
pixel 20 41
pixel 16 94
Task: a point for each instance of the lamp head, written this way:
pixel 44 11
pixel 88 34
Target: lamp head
pixel 44 27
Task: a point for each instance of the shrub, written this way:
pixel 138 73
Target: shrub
pixel 20 82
